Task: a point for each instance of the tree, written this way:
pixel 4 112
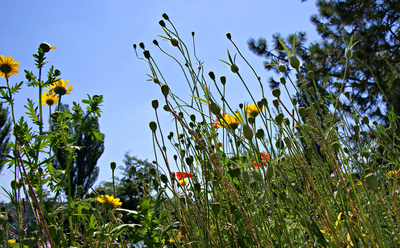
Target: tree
pixel 372 76
pixel 5 130
pixel 84 170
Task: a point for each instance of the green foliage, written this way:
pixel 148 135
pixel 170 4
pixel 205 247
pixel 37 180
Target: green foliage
pixel 5 131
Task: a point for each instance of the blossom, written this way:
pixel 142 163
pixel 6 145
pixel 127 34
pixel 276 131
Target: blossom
pixel 7 66
pixel 391 173
pixel 232 121
pixel 60 88
pixel 180 175
pixel 183 182
pixel 49 99
pixel 359 183
pixel 10 241
pixel 109 201
pixel 264 158
pixel 252 110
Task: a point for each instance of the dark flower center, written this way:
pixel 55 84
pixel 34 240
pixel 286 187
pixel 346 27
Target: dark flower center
pixel 49 102
pixel 60 90
pixel 5 68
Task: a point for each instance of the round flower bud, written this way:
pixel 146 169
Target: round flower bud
pixel 294 62
pixel 57 72
pixel 141 45
pixel 212 76
pixel 260 133
pixel 223 80
pixel 216 208
pixel 197 186
pixel 348 53
pixel 282 68
pixel 257 176
pixel 154 104
pixel 283 80
pixel 113 165
pixel 275 102
pixel 174 41
pixel 270 172
pixel 45 47
pixel 164 178
pixel 165 89
pixel 235 171
pixel 311 74
pixel 53 232
pixel 153 171
pixel 234 68
pixel 276 92
pixel 372 181
pixel 248 132
pixel 140 174
pixel 246 177
pixel 162 23
pixel 229 36
pixel 165 16
pixel 365 120
pixel 153 126
pixel 146 54
pixel 155 42
pixel 214 108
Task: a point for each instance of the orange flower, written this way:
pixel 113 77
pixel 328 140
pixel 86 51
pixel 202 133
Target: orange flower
pixel 264 158
pixel 180 175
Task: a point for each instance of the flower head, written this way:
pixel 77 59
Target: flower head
pixel 8 67
pixel 49 99
pixel 180 175
pixel 391 173
pixel 232 121
pixel 109 202
pixel 10 241
pixel 60 88
pixel 253 110
pixel 183 182
pixel 264 158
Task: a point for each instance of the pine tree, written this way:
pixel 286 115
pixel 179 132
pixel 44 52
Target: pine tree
pixel 84 170
pixel 5 130
pixel 372 76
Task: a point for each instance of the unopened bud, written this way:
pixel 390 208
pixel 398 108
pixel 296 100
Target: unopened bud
pixel 282 68
pixel 276 92
pixel 113 165
pixel 294 62
pixel 211 74
pixel 248 132
pixel 214 108
pixel 154 104
pixel 234 68
pixel 153 126
pixel 174 41
pixel 229 36
pixel 165 89
pixel 372 181
pixel 216 208
pixel 165 16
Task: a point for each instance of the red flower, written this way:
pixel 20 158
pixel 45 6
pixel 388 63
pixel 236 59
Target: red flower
pixel 184 174
pixel 264 157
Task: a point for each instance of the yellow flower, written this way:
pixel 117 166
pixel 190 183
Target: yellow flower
pixel 391 173
pixel 60 88
pixel 171 240
pixel 10 241
pixel 232 121
pixel 253 110
pixel 8 67
pixel 184 182
pixel 49 99
pixel 359 183
pixel 109 201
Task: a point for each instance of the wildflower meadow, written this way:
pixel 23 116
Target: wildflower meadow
pixel 267 172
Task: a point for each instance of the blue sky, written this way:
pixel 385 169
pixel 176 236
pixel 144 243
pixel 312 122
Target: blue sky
pixel 94 51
